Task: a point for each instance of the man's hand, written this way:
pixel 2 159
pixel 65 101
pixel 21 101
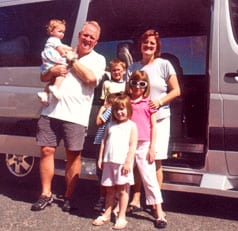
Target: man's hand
pixel 59 70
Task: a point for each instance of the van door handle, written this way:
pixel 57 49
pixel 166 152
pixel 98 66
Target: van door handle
pixel 233 75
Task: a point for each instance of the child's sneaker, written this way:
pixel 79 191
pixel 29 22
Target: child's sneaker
pixel 55 91
pixel 100 205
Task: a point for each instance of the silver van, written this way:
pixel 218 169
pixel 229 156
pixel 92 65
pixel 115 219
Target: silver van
pixel 199 37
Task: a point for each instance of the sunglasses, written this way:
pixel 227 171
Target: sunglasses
pixel 141 84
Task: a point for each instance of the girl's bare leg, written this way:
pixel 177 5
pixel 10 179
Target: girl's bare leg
pixel 110 200
pixel 123 200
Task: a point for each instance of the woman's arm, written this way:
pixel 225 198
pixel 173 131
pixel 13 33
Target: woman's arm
pixel 153 138
pixel 174 91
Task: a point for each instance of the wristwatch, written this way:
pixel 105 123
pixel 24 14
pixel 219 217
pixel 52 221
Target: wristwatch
pixel 71 62
pixel 160 104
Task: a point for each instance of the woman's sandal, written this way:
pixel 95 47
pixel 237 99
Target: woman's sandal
pixel 120 224
pixel 161 223
pixel 134 209
pixel 101 220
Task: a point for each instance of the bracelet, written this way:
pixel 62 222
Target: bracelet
pixel 160 103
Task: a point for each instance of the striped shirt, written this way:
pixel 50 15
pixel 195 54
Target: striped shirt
pixel 100 132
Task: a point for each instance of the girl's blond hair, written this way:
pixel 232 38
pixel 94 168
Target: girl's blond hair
pixel 52 24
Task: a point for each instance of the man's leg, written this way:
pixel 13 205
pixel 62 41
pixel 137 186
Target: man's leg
pixel 72 171
pixel 46 176
pixel 47 169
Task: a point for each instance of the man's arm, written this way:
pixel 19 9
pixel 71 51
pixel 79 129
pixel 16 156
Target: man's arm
pixel 57 70
pixel 84 73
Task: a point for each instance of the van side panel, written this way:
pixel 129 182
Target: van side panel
pixel 229 85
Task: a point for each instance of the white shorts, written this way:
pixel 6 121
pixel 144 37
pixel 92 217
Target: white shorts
pixel 162 138
pixel 112 175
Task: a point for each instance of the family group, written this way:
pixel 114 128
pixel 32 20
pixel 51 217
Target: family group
pixel 133 121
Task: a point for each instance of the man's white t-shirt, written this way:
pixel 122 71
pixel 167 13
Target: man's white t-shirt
pixel 76 101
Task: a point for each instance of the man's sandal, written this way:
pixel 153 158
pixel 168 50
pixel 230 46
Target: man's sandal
pixel 101 220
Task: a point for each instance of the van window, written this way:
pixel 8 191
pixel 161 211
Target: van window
pixel 183 27
pixel 23 32
pixel 190 50
pixel 234 17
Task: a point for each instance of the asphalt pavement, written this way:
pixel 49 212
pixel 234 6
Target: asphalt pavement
pixel 185 212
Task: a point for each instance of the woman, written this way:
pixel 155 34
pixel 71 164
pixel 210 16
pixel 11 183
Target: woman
pixel 164 88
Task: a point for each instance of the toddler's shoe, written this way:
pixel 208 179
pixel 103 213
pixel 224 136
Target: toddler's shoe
pixel 43 98
pixel 55 91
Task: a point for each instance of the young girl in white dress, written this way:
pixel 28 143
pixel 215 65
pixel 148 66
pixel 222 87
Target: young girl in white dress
pixel 116 159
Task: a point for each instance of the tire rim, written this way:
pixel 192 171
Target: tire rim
pixel 19 165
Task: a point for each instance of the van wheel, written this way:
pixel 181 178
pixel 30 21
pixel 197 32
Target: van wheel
pixel 19 166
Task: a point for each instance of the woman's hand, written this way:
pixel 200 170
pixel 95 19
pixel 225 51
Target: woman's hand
pixel 154 104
